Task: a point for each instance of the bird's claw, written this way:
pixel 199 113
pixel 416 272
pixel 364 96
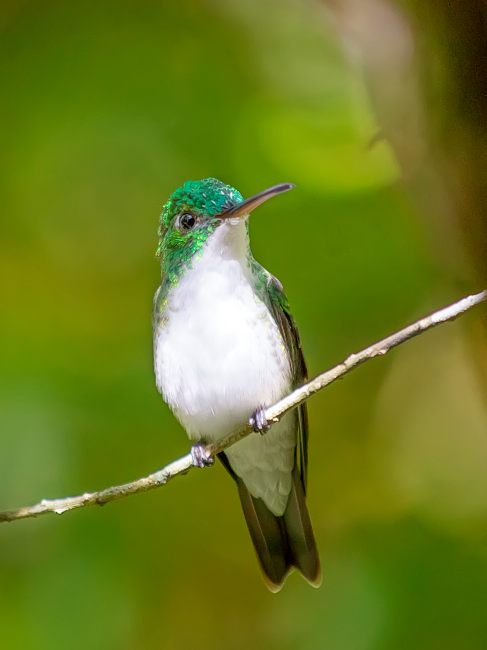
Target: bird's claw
pixel 201 457
pixel 258 421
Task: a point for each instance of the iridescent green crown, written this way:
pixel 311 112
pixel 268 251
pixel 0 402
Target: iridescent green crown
pixel 207 197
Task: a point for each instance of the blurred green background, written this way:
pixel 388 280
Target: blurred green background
pixel 105 109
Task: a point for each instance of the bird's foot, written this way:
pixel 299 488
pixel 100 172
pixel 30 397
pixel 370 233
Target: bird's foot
pixel 258 421
pixel 201 457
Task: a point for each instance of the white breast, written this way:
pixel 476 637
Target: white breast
pixel 219 356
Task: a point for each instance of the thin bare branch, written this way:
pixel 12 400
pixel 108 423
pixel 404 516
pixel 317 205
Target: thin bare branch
pixel 273 413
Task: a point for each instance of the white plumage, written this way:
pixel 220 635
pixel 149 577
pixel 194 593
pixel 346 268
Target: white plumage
pixel 219 355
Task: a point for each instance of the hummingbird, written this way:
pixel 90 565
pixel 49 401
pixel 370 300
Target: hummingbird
pixel 226 346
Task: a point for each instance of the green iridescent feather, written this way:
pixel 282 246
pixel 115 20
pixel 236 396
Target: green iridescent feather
pixel 205 199
pixel 271 292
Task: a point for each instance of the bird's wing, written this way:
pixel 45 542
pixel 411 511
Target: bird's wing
pixel 273 295
pixel 282 542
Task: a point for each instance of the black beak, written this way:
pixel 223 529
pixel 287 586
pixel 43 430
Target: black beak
pixel 246 207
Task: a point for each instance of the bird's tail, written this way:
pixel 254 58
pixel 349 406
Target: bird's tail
pixel 282 542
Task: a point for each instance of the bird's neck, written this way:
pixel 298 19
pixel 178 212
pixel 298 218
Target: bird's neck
pixel 228 244
pixel 226 253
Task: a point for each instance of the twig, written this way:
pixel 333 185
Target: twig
pixel 273 414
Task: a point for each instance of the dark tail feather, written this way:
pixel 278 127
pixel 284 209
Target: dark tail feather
pixel 282 542
pixel 299 534
pixel 267 537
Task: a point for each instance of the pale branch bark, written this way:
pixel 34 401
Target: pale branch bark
pixel 273 414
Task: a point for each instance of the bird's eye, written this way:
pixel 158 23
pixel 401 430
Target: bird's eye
pixel 187 221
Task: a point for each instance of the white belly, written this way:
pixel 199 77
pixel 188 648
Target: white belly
pixel 218 357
